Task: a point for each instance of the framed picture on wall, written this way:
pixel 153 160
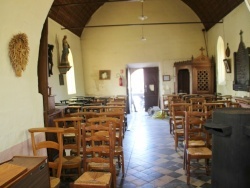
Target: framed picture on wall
pixel 227 65
pixel 166 77
pixel 104 74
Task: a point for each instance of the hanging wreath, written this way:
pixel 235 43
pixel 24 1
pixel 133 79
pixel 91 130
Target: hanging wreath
pixel 19 52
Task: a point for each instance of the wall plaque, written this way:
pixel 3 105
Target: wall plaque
pixel 241 67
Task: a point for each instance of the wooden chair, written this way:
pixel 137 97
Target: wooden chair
pixel 196 104
pixel 98 108
pixel 85 115
pixel 209 97
pixel 234 105
pixel 165 110
pixel 187 97
pixel 208 108
pixel 118 108
pixel 178 120
pixel 194 130
pixel 119 135
pixel 170 102
pixel 37 145
pixel 72 109
pixel 98 142
pixel 71 141
pixel 226 97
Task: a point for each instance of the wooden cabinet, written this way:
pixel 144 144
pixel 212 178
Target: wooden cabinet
pixel 195 76
pixel 25 171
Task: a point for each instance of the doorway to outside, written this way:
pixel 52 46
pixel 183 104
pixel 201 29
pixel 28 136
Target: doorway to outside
pixel 137 91
pixel 143 88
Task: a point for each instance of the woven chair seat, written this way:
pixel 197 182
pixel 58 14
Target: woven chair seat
pixel 195 143
pixel 179 131
pixel 70 160
pixel 54 182
pixel 99 179
pixel 199 151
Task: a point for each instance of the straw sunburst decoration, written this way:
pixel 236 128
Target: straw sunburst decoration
pixel 19 53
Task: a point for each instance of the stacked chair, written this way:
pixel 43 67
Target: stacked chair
pixel 178 120
pixel 98 141
pixel 195 132
pixel 71 163
pixel 119 124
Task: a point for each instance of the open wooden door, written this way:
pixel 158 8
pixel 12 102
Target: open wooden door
pixel 151 87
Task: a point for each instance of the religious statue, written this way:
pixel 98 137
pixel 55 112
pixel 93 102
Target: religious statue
pixel 50 58
pixel 65 51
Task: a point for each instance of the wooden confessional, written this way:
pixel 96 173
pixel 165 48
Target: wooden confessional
pixel 195 76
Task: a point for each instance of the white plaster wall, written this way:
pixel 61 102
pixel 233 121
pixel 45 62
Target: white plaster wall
pixel 235 21
pixel 55 36
pixel 21 104
pixel 113 48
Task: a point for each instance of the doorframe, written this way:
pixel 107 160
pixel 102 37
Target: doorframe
pixel 141 66
pixel 189 68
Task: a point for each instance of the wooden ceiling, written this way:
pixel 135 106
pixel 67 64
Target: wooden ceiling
pixel 75 14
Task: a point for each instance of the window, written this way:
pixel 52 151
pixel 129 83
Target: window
pixel 220 64
pixel 70 76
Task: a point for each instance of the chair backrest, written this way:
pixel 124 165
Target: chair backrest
pixel 116 103
pixel 174 101
pixel 187 97
pixel 98 140
pixel 38 145
pixel 118 121
pixel 72 109
pixel 178 114
pixel 72 126
pixel 234 105
pixel 98 108
pixel 84 115
pixel 179 109
pixel 208 108
pixel 194 127
pixel 196 103
pixel 226 97
pixel 209 97
pixel 111 108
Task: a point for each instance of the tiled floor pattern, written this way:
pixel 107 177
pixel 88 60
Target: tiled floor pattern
pixel 150 158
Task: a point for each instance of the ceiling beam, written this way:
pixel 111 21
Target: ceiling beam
pixel 140 24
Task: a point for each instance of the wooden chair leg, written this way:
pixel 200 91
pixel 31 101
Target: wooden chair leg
pixel 176 141
pixel 123 166
pixel 207 166
pixel 188 171
pixel 184 159
pixel 114 178
pixel 170 125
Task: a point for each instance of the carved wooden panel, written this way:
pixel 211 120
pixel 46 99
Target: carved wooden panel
pixel 203 80
pixel 241 68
